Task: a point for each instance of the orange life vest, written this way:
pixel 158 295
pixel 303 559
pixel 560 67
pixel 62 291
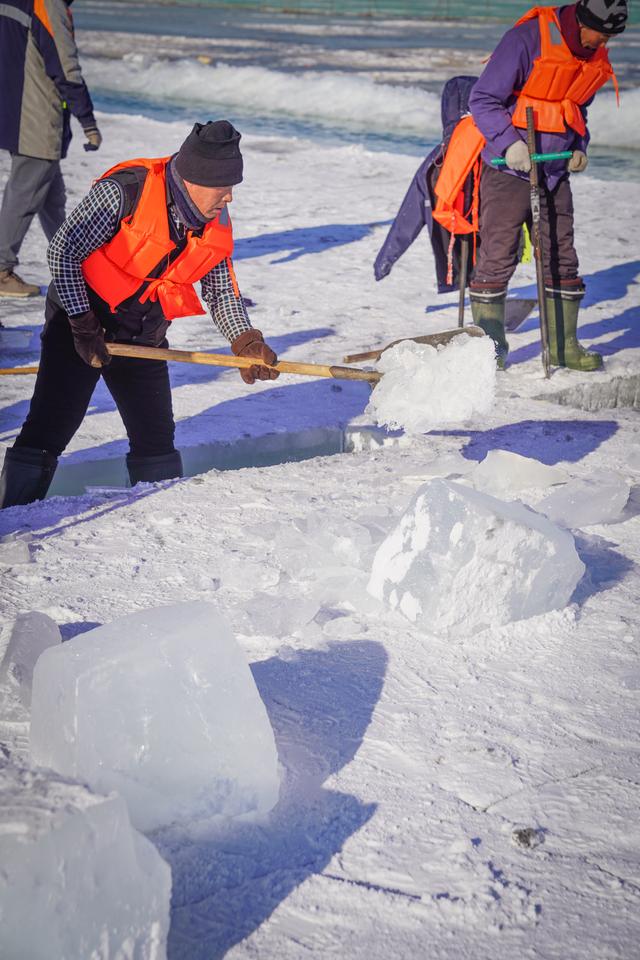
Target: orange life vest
pixel 461 159
pixel 559 82
pixel 118 269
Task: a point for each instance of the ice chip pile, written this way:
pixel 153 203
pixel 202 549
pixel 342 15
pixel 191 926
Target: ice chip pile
pixel 459 561
pixel 426 388
pixel 77 881
pixel 162 707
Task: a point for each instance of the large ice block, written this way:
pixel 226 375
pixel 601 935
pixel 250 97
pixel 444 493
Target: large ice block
pixel 23 640
pixel 162 707
pixel 460 560
pixel 76 880
pixel 600 498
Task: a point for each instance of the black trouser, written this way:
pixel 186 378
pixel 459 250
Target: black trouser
pixel 65 384
pixel 505 204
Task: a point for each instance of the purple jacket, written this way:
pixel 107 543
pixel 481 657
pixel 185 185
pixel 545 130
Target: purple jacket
pixel 492 103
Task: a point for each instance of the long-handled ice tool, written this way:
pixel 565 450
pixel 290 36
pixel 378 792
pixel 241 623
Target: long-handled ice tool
pixel 536 233
pixel 433 339
pixel 224 360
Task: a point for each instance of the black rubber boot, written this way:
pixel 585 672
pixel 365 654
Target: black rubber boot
pixel 151 469
pixel 487 310
pixel 562 317
pixel 26 476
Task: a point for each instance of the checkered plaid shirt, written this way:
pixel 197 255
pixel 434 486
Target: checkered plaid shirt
pixel 93 223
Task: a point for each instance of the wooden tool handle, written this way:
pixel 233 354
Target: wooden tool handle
pixel 224 360
pixel 13 371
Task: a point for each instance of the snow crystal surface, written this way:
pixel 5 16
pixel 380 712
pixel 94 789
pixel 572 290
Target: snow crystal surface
pixel 600 498
pixel 162 707
pixel 505 474
pixel 23 640
pixel 77 881
pixel 427 387
pixel 460 560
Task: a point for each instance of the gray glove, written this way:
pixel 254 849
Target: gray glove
pixel 578 162
pixel 517 157
pixel 94 138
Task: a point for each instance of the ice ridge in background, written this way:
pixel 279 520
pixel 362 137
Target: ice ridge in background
pixel 334 98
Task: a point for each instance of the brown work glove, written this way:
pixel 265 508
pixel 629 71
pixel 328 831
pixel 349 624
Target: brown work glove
pixel 251 344
pixel 88 339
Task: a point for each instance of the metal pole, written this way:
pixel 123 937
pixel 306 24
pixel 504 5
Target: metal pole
pixel 537 243
pixel 464 266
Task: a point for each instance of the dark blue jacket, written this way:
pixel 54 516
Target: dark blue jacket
pixel 415 210
pixel 40 78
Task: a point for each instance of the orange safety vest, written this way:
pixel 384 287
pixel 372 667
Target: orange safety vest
pixel 116 270
pixel 559 82
pixel 461 159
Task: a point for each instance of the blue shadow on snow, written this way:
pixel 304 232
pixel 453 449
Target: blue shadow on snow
pixel 612 283
pixel 227 884
pixel 302 241
pixel 549 441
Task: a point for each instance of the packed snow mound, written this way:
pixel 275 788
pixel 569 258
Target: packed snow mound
pixel 600 498
pixel 161 706
pixel 76 880
pixel 460 560
pixel 23 641
pixel 506 474
pixel 427 388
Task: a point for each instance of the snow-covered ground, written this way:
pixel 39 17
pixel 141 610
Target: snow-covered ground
pixel 445 797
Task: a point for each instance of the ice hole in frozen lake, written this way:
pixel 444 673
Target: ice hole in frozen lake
pixel 600 394
pixel 265 451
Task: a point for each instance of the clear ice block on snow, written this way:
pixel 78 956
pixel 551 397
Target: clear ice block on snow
pixel 161 706
pixel 503 473
pixel 23 640
pixel 460 560
pixel 600 498
pixel 76 881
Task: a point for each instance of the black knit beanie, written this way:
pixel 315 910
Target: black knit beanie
pixel 605 16
pixel 210 156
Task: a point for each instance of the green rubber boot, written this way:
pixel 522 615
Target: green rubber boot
pixel 564 348
pixel 489 314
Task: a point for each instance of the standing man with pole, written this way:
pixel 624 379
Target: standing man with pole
pixel 552 63
pixel 41 86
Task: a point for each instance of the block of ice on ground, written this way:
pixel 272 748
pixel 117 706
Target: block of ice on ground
pixel 599 499
pixel 460 560
pixel 23 640
pixel 426 388
pixel 14 550
pixel 77 881
pixel 161 706
pixel 503 473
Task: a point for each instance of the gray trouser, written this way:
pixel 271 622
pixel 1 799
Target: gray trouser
pixel 34 187
pixel 505 204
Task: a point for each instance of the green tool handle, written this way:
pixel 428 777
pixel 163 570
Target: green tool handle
pixel 536 157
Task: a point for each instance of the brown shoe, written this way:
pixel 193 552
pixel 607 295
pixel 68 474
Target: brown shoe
pixel 11 285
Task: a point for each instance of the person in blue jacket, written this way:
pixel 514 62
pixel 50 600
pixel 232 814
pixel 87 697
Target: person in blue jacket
pixel 41 86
